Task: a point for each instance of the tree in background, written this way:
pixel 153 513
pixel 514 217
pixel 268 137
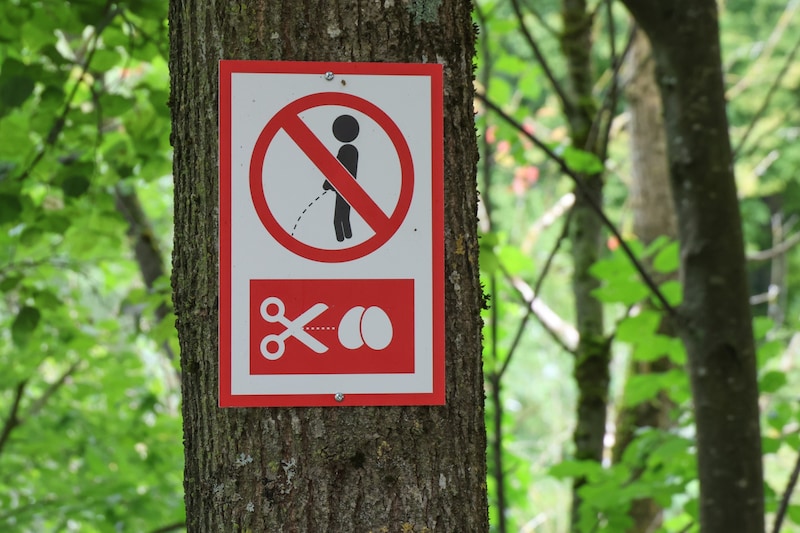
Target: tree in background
pixel 714 319
pixel 350 469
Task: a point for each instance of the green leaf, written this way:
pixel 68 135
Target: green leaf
pixel 655 347
pixel 672 291
pixel 16 84
pixel 640 388
pixel 10 208
pixel 105 59
pixel 74 186
pixel 582 161
pixel 114 105
pixel 761 326
pixel 667 259
pixel 627 292
pixel 793 512
pixel 514 261
pixel 771 381
pixel 768 351
pixel 770 445
pixel 24 325
pixel 572 469
pixel 634 328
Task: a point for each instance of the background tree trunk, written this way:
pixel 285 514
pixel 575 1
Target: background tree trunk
pixel 714 318
pixel 334 469
pixel 592 355
pixel 653 216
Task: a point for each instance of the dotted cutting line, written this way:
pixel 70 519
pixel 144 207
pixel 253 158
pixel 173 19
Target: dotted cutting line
pixel 319 328
pixel 306 209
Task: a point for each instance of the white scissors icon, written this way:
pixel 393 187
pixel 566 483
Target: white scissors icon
pixel 294 328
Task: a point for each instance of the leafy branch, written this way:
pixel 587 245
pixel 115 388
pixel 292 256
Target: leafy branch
pixel 109 13
pixel 590 201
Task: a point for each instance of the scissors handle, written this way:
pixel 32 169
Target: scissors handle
pixel 279 341
pixel 280 313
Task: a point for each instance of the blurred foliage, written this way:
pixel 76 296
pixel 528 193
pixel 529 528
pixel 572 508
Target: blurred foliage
pixel 89 418
pixel 521 189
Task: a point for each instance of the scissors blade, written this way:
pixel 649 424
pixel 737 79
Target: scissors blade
pixel 297 324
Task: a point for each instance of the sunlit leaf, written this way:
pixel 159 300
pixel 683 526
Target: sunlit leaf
pixel 771 381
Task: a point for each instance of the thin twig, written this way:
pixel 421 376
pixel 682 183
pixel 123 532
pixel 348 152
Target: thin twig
pixel 52 389
pixel 610 100
pixel 540 18
pixel 581 188
pixel 768 98
pixel 765 52
pixel 566 102
pixel 12 420
pixel 566 337
pixel 787 495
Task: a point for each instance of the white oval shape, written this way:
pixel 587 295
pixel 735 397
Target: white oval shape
pixel 376 328
pixel 349 329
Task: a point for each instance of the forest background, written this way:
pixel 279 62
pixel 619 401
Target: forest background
pixel 89 413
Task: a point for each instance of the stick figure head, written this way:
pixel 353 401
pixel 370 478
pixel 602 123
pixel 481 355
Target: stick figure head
pixel 345 128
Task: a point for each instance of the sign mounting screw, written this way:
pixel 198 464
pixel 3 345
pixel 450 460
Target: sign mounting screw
pixel 329 75
pixel 339 397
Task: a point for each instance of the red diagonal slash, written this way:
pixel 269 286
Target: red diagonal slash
pixel 336 174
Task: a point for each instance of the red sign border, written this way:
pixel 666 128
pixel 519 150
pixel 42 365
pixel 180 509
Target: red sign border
pixel 435 72
pixel 257 184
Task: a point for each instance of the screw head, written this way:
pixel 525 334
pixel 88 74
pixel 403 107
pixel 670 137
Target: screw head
pixel 339 397
pixel 329 75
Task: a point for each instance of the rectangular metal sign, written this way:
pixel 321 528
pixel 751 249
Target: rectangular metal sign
pixel 331 234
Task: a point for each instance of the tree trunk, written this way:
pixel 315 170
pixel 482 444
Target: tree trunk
pixel 714 318
pixel 653 216
pixel 325 469
pixel 592 354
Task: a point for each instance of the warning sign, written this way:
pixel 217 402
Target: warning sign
pixel 340 173
pixel 331 234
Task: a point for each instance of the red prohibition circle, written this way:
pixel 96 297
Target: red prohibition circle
pixel 289 114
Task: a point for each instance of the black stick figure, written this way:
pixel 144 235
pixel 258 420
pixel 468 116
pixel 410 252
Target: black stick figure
pixel 345 129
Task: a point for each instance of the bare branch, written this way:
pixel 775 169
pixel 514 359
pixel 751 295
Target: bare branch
pixel 777 250
pixel 529 7
pixel 548 72
pixel 563 332
pixel 549 217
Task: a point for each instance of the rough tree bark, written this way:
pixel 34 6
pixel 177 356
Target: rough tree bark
pixel 332 469
pixel 653 216
pixel 714 319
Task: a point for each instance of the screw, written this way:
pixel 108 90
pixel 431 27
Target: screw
pixel 329 76
pixel 339 397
